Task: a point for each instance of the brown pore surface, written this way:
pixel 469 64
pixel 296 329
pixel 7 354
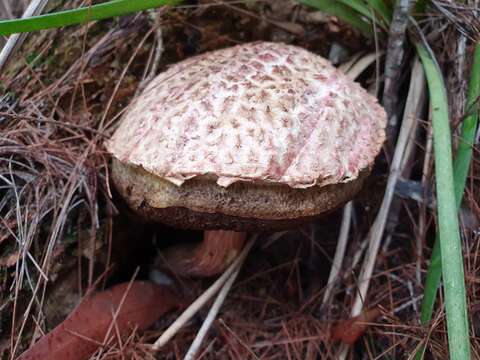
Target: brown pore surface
pixel 244 206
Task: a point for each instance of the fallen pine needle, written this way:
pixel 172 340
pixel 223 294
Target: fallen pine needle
pixel 192 352
pixel 202 300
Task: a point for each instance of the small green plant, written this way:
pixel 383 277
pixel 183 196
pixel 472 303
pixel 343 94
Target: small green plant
pixel 461 166
pixel 448 228
pixel 80 16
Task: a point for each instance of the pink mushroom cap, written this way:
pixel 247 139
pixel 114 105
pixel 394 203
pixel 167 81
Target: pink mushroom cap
pixel 265 114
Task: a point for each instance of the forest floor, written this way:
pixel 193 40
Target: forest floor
pixel 63 221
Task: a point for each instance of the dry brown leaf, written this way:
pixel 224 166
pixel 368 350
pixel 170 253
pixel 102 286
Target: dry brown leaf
pixel 139 304
pixel 348 331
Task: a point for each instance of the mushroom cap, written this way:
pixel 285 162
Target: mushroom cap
pixel 269 122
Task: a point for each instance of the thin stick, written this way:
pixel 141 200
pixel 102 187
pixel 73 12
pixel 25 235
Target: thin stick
pixel 14 41
pixel 339 251
pixel 202 300
pixel 393 62
pixel 153 64
pixel 413 107
pixel 376 232
pixel 212 314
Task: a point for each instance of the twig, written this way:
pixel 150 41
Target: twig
pixel 376 231
pixel 155 17
pixel 393 63
pixel 202 300
pixel 14 41
pixel 339 252
pixel 357 256
pixel 192 352
pixel 296 30
pixel 101 126
pixel 413 107
pixel 413 302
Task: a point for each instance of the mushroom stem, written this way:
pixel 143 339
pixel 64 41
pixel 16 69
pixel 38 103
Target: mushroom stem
pixel 211 257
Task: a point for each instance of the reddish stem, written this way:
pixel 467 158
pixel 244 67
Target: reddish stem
pixel 211 257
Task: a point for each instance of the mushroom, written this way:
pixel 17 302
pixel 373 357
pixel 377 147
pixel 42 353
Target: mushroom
pixel 257 137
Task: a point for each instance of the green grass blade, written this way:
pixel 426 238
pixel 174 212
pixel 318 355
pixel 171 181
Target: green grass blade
pixel 448 229
pixel 381 8
pixel 434 275
pixel 343 12
pixel 79 16
pixel 460 166
pixel 364 9
pixel 357 5
pixel 432 281
pixel 464 152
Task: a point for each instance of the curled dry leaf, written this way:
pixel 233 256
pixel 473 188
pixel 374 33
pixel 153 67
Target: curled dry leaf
pixel 348 331
pixel 139 304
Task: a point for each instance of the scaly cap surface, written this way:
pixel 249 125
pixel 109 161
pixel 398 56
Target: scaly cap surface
pixel 261 112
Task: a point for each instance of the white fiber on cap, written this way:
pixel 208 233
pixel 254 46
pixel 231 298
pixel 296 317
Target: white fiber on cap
pixel 262 112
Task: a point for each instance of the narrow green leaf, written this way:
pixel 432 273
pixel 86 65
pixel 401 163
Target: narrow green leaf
pixel 364 9
pixel 432 281
pixel 79 16
pixel 357 5
pixel 461 166
pixel 343 12
pixel 465 146
pixel 381 8
pixel 448 228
